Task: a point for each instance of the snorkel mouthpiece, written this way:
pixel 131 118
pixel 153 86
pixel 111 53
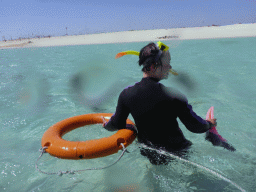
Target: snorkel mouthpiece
pixel 173 72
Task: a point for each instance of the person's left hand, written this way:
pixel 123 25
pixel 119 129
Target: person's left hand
pixel 104 121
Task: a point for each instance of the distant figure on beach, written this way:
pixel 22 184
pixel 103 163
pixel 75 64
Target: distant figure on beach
pixel 155 109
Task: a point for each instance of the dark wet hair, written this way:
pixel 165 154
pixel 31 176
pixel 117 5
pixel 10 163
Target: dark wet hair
pixel 149 55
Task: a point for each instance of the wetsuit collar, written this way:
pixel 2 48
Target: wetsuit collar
pixel 151 78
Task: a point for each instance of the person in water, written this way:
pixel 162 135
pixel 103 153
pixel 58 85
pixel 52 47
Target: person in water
pixel 155 108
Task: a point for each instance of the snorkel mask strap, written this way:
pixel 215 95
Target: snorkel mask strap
pixel 158 55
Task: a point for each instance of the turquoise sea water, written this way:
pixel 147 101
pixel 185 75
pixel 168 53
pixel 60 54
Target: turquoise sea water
pixel 41 86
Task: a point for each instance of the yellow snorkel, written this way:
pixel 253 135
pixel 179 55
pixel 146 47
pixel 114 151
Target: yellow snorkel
pixel 130 52
pixel 121 54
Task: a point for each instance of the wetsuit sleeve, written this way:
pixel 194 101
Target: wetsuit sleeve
pixel 118 120
pixel 190 119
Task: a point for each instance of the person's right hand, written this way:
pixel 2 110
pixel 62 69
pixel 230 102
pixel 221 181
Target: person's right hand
pixel 213 121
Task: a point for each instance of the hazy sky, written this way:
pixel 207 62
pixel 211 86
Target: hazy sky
pixel 23 18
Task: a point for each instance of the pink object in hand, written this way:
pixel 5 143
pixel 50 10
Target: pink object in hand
pixel 210 115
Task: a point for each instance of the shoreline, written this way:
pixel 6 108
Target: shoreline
pixel 206 32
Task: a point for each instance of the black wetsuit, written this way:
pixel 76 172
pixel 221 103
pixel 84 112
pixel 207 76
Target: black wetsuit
pixel 155 109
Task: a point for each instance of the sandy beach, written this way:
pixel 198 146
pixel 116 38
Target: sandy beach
pixel 228 31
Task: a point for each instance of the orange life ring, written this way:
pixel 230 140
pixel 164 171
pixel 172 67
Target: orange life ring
pixel 58 147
